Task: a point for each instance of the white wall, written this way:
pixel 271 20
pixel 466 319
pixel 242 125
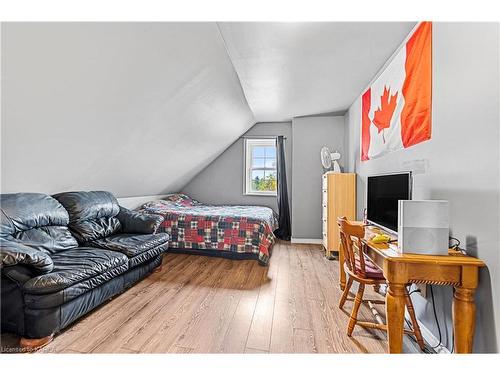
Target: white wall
pixel 291 69
pixel 133 108
pixel 309 135
pixel 459 164
pixel 222 181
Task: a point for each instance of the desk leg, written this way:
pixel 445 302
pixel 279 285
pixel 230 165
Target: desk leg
pixel 395 312
pixel 341 267
pixel 464 319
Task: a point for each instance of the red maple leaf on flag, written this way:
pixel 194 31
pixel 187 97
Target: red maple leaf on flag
pixel 383 115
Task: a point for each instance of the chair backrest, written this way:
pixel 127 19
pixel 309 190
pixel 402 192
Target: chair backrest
pixel 350 233
pixel 36 220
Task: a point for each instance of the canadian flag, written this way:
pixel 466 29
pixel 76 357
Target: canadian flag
pixel 396 108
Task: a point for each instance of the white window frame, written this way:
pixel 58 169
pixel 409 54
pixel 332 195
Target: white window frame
pixel 247 183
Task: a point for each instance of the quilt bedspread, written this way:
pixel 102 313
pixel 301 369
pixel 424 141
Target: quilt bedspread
pixel 194 225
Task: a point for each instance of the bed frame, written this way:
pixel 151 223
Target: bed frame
pixel 219 253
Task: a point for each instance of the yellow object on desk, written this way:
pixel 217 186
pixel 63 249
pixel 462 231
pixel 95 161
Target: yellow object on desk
pixel 380 238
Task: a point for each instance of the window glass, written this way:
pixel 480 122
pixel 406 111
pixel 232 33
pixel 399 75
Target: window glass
pixel 258 152
pixel 260 165
pixel 270 152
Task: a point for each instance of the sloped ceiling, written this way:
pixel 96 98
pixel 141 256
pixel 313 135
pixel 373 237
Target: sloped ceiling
pixel 141 108
pixel 134 108
pixel 296 69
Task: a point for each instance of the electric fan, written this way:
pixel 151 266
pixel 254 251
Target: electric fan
pixel 329 160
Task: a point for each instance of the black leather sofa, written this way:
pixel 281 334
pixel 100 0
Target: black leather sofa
pixel 62 256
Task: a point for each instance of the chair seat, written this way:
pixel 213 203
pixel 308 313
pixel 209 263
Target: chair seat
pixel 371 270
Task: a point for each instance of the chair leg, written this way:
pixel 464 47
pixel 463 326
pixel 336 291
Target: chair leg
pixel 346 293
pixel 414 322
pixel 354 314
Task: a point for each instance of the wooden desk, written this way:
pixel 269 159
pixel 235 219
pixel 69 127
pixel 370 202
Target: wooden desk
pixel 455 269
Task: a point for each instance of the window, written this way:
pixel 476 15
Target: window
pixel 260 167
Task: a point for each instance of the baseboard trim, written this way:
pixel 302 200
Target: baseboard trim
pixel 314 241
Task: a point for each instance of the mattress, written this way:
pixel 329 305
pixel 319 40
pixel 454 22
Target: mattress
pixel 216 228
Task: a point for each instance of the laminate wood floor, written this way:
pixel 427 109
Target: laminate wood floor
pixel 199 304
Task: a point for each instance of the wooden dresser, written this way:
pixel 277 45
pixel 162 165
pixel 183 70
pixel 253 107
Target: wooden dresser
pixel 339 199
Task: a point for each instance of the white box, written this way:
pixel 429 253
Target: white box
pixel 423 227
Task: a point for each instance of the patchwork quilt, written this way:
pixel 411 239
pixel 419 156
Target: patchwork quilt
pixel 194 225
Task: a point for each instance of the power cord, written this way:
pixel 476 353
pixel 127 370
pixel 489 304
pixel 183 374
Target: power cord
pixel 456 245
pixel 431 349
pixel 427 349
pixel 452 341
pixel 435 317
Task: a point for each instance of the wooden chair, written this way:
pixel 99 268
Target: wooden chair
pixel 360 268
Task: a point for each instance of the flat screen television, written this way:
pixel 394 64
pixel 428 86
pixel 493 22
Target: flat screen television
pixel 383 194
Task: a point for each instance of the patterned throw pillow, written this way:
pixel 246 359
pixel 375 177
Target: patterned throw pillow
pixel 180 200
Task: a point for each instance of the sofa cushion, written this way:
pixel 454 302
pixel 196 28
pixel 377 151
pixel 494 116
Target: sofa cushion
pixel 48 239
pixel 92 214
pixel 89 230
pixel 132 244
pixel 138 222
pixel 146 256
pixel 37 220
pixel 80 268
pixel 13 253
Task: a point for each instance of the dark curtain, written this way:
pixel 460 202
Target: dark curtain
pixel 284 230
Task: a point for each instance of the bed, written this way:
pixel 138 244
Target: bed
pixel 238 232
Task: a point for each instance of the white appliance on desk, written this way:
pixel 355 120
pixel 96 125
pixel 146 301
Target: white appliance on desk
pixel 423 227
